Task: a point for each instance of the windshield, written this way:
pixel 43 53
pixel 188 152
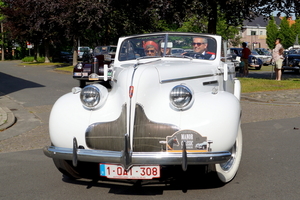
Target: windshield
pixel 199 47
pixel 105 50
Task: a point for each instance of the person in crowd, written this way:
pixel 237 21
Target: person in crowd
pixel 277 57
pixel 151 48
pixel 244 58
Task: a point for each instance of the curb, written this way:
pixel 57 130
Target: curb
pixel 7 118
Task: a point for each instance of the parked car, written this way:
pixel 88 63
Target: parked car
pixel 161 111
pixel 253 60
pixel 81 50
pixel 263 55
pixel 291 62
pixel 92 66
pixel 177 51
pixel 62 56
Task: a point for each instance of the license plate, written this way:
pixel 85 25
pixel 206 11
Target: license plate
pixel 80 74
pixel 136 172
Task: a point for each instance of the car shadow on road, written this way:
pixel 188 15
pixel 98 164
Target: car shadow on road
pixel 173 178
pixel 18 83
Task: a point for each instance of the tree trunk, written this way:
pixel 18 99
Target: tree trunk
pixel 35 51
pixel 75 51
pixel 212 19
pixel 47 54
pixel 2 47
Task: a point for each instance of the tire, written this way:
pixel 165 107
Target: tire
pixel 82 83
pixel 227 171
pixel 66 168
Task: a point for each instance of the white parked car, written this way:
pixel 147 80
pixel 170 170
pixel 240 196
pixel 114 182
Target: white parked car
pixel 161 110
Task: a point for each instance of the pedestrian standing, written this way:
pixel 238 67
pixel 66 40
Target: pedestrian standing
pixel 277 57
pixel 245 55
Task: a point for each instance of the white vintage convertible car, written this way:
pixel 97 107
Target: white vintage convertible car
pixel 161 110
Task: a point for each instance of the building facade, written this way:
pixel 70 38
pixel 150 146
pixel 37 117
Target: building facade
pixel 254 32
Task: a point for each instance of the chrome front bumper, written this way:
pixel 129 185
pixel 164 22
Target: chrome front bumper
pixel 136 158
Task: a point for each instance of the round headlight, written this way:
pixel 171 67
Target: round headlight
pixel 79 65
pixel 90 96
pixel 181 97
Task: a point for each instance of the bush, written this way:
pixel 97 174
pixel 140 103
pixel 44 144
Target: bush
pixel 31 58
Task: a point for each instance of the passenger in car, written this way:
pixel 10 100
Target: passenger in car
pixel 151 48
pixel 168 49
pixel 200 49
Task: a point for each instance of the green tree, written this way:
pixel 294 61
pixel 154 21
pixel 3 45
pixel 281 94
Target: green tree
pixel 285 33
pixel 175 12
pixel 296 29
pixel 272 33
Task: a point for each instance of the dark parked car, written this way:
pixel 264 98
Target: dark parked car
pixel 254 62
pixel 62 56
pixel 92 66
pixel 291 62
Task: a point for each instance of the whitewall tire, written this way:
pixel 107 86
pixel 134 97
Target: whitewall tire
pixel 227 171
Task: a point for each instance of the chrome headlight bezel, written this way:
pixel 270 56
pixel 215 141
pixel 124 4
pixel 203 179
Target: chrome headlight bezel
pixel 79 65
pixel 93 96
pixel 181 97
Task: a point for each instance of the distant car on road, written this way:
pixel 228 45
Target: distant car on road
pixel 91 68
pixel 81 50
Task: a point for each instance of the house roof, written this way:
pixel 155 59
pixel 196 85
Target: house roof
pixel 258 21
pixel 263 21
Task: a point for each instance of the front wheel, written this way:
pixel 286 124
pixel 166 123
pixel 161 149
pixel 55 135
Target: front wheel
pixel 82 83
pixel 66 168
pixel 227 171
pixel 258 68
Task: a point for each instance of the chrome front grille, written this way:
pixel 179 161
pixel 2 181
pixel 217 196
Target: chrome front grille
pixel 107 135
pixel 148 134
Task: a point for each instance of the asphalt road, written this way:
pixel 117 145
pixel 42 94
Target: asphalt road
pixel 268 170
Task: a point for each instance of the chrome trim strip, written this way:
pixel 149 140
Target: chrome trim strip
pixel 220 74
pixel 210 82
pixel 138 158
pixel 185 78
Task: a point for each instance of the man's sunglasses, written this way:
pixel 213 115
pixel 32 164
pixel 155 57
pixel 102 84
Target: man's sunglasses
pixel 198 43
pixel 150 51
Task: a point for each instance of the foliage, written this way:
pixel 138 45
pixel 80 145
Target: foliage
pixel 265 7
pixel 234 11
pixel 56 23
pixel 31 59
pixel 295 29
pixel 286 34
pixel 236 41
pixel 272 33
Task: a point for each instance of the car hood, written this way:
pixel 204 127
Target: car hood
pixel 176 71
